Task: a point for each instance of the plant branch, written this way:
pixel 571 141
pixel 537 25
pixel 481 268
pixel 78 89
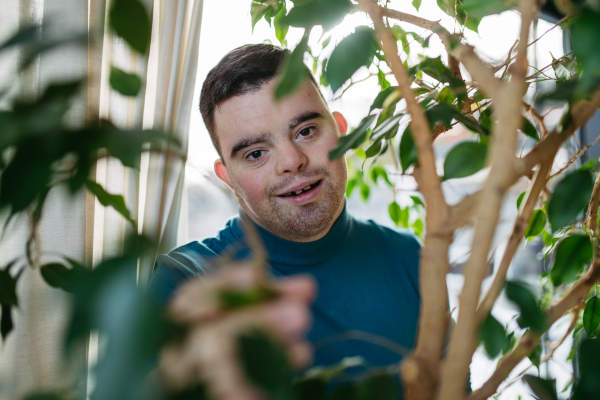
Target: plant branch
pixel 478 70
pixel 530 200
pixel 504 137
pixel 593 208
pixel 556 345
pixel 539 119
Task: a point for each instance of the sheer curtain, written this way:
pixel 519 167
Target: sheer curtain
pixel 78 226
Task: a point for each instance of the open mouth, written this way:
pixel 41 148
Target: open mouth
pixel 301 191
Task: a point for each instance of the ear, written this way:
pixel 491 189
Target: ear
pixel 222 173
pixel 341 122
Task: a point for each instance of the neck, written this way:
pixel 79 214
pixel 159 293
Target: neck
pixel 290 235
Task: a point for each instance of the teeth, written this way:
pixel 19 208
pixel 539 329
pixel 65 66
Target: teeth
pixel 306 188
pixel 299 191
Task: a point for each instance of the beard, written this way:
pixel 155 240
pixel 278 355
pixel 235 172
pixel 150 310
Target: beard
pixel 301 221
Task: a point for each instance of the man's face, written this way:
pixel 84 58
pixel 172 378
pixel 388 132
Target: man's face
pixel 276 160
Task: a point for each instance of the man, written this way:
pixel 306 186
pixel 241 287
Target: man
pixel 274 156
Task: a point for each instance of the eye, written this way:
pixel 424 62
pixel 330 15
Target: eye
pixel 256 154
pixel 306 131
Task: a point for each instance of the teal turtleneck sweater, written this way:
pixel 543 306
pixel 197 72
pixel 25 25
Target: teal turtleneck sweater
pixel 367 279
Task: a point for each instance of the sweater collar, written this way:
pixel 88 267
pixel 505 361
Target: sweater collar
pixel 282 251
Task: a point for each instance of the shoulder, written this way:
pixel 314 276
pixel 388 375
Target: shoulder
pixel 188 261
pixel 397 237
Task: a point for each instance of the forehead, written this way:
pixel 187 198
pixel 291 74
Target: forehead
pixel 258 112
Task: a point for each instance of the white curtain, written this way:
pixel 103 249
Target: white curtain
pixel 78 226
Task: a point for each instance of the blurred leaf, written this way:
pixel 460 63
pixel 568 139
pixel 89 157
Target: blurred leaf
pixel 382 80
pixel 509 343
pixel 417 201
pixel 327 13
pixel 373 149
pixel 110 200
pixel 588 386
pixel 8 284
pixel 257 11
pixel 520 200
pixel 536 224
pixel 418 227
pixel 591 317
pixel 59 276
pixel 236 299
pixel 560 71
pixel 380 387
pixel 281 28
pixel 353 52
pixel 435 68
pixel 379 172
pixel 26 34
pixel 387 126
pixel 570 197
pixel 530 130
pixel 493 336
pixel 6 323
pixel 408 150
pixel 293 71
pixel 572 253
pixel 124 83
pixel 585 32
pixel 464 159
pixel 395 212
pixel 353 139
pixel 417 4
pixel 130 20
pixel 265 363
pixel 455 9
pixel 365 190
pixel 531 316
pixel 545 389
pixel 481 8
pixel 351 184
pixel 536 355
pixel 198 392
pixel 346 391
pixel 378 102
pixel 310 389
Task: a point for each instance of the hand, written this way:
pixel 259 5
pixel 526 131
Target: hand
pixel 208 353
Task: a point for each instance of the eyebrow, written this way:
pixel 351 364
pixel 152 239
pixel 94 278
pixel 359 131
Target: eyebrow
pixel 304 117
pixel 247 142
pixel 265 138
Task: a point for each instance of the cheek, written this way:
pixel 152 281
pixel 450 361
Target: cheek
pixel 252 185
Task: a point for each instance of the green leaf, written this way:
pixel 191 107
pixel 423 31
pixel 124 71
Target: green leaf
pixel 531 316
pixel 353 52
pixel 588 385
pixel 386 127
pixel 365 190
pixel 8 293
pixel 351 184
pixel 408 150
pixel 395 212
pixel 293 70
pixel 481 8
pixel 536 355
pixel 382 96
pixel 353 139
pixel 417 227
pixel 380 386
pixel 130 20
pixel 570 196
pixel 560 71
pixel 435 68
pixel 572 253
pixel 536 224
pixel 585 32
pixel 417 4
pixel 6 322
pixel 110 200
pixel 327 13
pixel 258 9
pixel 591 317
pixel 378 172
pixel 281 28
pixel 509 343
pixel 465 159
pixel 311 388
pixel 545 389
pixel 520 200
pixel 124 83
pixel 530 130
pixel 59 276
pixel 382 80
pixel 233 299
pixel 493 336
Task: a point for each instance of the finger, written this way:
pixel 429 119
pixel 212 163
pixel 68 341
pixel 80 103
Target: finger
pixel 301 287
pixel 301 354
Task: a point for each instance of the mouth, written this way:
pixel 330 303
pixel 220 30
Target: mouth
pixel 302 191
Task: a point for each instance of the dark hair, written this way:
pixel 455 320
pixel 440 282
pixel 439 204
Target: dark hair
pixel 243 70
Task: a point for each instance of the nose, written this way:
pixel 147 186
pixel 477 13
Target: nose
pixel 291 158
